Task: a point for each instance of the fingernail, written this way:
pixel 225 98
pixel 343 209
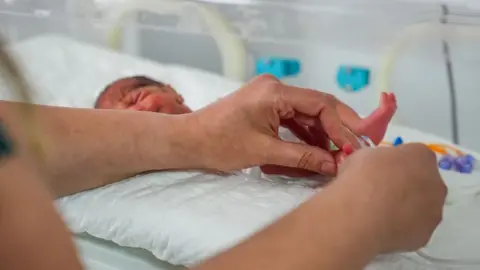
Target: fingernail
pixel 329 168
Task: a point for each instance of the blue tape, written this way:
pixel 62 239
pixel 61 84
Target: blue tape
pixel 353 78
pixel 278 66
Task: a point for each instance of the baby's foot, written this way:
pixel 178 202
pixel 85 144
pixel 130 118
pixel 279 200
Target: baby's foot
pixel 375 125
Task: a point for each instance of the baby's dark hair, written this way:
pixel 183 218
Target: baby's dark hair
pixel 140 81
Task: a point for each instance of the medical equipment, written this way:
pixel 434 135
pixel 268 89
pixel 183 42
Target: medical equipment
pixel 353 78
pixel 450 156
pixel 366 142
pixel 279 67
pixel 397 141
pixel 174 234
pixel 462 164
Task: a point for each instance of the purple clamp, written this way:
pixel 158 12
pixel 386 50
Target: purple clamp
pixel 446 162
pixel 463 164
pixel 469 158
pixel 465 168
pixel 463 160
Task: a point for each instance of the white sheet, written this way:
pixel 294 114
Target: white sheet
pixel 182 217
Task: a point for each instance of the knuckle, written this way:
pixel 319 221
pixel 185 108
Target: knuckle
pixel 305 160
pixel 272 87
pixel 267 78
pixel 264 82
pixel 329 98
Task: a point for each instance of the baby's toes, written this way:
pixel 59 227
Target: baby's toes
pixel 390 102
pixel 392 98
pixel 384 97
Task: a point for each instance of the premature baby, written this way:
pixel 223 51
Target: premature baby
pixel 145 94
pixel 142 94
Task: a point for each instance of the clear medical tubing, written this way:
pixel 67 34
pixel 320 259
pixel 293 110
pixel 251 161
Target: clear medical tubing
pixel 414 34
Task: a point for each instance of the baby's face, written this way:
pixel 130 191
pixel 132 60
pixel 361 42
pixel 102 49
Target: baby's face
pixel 154 98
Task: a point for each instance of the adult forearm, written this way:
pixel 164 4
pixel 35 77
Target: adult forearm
pixel 88 148
pixel 322 234
pixel 33 234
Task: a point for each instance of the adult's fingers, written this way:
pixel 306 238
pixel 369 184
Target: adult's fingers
pixel 332 125
pixel 286 171
pixel 338 156
pixel 301 156
pixel 315 131
pixel 300 131
pixel 322 138
pixel 307 135
pixel 318 105
pixel 311 135
pixel 305 120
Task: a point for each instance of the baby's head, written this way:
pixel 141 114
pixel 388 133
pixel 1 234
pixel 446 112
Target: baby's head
pixel 142 94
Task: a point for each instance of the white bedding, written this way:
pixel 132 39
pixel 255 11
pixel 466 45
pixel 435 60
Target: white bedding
pixel 69 73
pixel 181 217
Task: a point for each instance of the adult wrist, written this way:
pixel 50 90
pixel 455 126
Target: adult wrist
pixel 175 143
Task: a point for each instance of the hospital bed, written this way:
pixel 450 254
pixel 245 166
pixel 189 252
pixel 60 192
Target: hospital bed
pixel 177 219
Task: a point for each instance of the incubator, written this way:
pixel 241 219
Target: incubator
pixel 424 51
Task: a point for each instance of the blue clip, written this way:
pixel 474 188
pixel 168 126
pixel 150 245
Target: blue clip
pixel 469 158
pixel 278 67
pixel 398 141
pixel 353 78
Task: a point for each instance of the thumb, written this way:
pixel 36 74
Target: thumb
pixel 302 156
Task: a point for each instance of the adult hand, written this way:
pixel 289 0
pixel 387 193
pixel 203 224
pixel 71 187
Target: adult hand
pixel 241 130
pixel 396 194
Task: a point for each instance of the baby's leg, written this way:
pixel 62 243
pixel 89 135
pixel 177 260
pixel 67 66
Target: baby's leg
pixel 375 125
